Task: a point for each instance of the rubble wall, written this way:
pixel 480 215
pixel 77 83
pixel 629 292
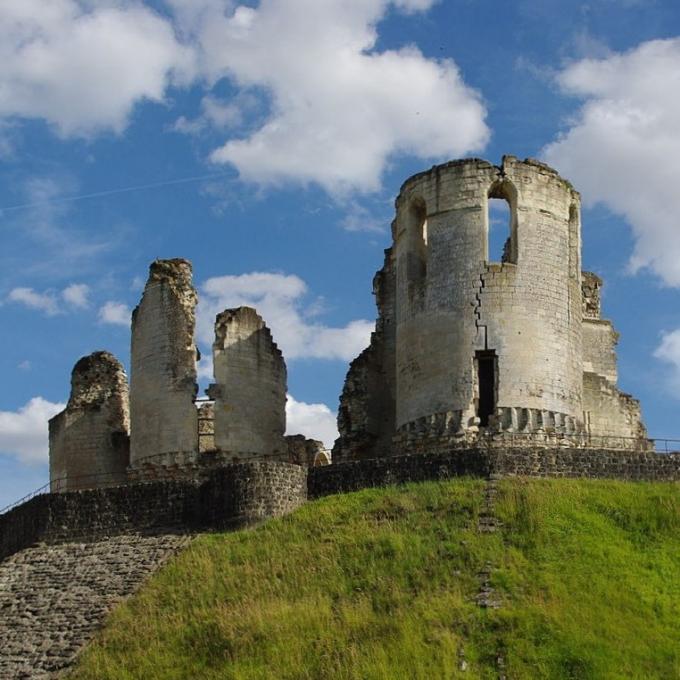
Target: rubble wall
pixel 163 416
pixel 228 497
pixel 89 439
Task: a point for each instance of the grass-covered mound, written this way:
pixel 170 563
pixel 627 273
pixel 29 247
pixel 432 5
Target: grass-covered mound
pixel 382 584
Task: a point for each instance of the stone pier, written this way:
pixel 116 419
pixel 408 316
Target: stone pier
pixel 163 365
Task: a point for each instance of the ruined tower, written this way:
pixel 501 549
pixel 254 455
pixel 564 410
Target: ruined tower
pixel 464 345
pixel 250 387
pixel 89 443
pixel 163 365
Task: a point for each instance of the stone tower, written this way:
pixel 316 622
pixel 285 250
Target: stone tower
pixel 163 385
pixel 89 443
pixel 463 344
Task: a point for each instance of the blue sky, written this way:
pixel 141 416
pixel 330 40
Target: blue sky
pixel 266 141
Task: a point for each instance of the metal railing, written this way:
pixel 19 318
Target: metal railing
pixel 577 440
pixel 90 481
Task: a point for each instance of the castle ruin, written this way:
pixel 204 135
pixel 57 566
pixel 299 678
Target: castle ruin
pixel 163 430
pixel 465 350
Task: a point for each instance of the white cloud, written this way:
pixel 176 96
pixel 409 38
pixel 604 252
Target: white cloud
pixel 668 351
pixel 339 109
pixel 76 295
pixel 359 218
pixel 23 433
pixel 45 302
pixel 116 313
pixel 82 66
pixel 623 148
pixel 315 421
pixel 24 365
pixel 280 300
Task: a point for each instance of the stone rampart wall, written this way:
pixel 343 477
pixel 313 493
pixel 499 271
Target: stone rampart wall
pixel 241 494
pixel 233 496
pixel 586 463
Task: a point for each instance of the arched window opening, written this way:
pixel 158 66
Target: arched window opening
pixel 416 258
pixel 502 223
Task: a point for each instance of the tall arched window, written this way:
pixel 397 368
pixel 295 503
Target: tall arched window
pixel 416 235
pixel 501 223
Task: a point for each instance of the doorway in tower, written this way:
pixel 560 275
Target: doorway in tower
pixel 487 369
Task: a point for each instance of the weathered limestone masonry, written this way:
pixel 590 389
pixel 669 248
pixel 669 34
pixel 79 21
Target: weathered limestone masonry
pixel 465 347
pixel 250 388
pixel 89 439
pixel 163 365
pixel 608 411
pixel 172 435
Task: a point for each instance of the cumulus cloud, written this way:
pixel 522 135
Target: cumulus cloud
pixel 668 351
pixel 339 108
pixel 116 313
pixel 50 302
pixel 23 433
pixel 76 295
pixel 314 102
pixel 315 421
pixel 623 147
pixel 45 302
pixel 82 66
pixel 281 300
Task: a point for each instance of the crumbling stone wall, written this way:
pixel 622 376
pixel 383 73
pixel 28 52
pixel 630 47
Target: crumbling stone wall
pixel 163 364
pixel 89 439
pixel 250 388
pixel 206 427
pixel 611 413
pixel 306 452
pixel 366 417
pixel 607 412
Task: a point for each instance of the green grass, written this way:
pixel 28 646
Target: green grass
pixel 380 584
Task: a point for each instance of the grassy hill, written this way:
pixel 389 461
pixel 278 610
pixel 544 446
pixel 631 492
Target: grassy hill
pixel 381 584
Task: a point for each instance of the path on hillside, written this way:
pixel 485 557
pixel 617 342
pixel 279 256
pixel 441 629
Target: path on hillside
pixel 53 598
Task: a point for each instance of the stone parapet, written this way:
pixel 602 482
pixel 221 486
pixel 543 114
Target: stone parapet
pixel 229 497
pixel 498 461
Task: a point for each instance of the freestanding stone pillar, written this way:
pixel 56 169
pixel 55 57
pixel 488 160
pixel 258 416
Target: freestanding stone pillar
pixel 163 365
pixel 250 389
pixel 89 445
